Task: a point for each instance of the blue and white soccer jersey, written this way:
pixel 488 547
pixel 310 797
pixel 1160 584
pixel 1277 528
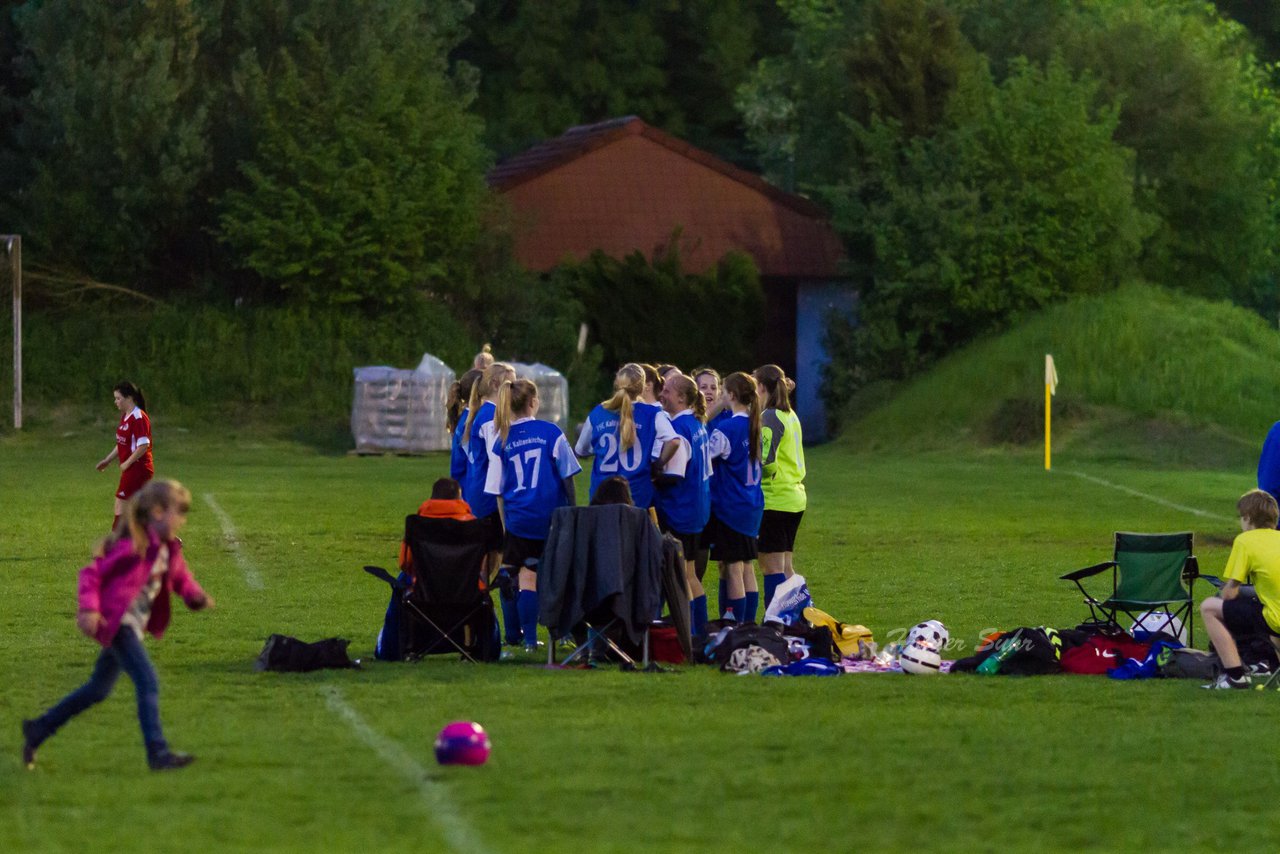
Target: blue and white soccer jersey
pixel 529 471
pixel 685 506
pixel 736 496
pixel 600 438
pixel 458 451
pixel 477 450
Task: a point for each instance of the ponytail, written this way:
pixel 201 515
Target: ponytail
pixel 628 384
pixel 128 389
pixel 487 384
pixel 742 388
pixel 687 390
pixel 776 386
pixel 459 397
pixel 514 398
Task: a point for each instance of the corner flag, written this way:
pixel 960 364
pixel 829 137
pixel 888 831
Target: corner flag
pixel 1050 389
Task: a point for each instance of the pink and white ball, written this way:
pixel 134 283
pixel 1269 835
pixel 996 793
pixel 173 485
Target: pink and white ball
pixel 463 743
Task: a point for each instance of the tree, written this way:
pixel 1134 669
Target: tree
pixel 1202 117
pixel 545 67
pixel 365 180
pixel 112 138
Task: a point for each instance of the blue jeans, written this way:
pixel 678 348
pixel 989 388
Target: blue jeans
pixel 128 654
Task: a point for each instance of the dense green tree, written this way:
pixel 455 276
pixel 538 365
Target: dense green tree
pixel 112 141
pixel 545 67
pixel 1020 197
pixel 895 60
pixel 365 179
pixel 1198 110
pixel 1261 18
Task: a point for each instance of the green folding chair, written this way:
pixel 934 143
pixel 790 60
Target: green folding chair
pixel 1148 572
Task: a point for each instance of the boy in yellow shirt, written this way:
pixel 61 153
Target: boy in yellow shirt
pixel 1255 559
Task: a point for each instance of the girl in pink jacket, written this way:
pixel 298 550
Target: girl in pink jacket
pixel 124 594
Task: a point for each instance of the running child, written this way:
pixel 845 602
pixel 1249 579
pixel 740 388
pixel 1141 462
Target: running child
pixel 531 466
pixel 133 445
pixel 684 506
pixel 782 453
pixel 124 595
pixel 737 501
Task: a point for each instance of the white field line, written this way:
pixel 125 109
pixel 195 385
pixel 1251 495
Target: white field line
pixel 459 835
pixel 1152 498
pixel 252 577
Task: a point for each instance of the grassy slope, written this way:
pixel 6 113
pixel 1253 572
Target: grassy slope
pixel 1137 368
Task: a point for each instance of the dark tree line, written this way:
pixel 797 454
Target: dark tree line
pixel 981 158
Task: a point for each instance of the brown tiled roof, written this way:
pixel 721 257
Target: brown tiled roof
pixel 573 196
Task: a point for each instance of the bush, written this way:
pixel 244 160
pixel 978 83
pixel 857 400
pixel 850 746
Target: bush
pixel 295 362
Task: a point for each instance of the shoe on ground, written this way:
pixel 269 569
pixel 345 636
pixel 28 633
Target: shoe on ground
pixel 170 760
pixel 1226 683
pixel 29 744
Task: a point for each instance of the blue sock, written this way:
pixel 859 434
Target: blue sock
pixel 771 582
pixel 527 603
pixel 510 621
pixel 722 598
pixel 698 615
pixel 738 607
pixel 752 604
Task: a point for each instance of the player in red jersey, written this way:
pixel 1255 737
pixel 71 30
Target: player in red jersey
pixel 133 445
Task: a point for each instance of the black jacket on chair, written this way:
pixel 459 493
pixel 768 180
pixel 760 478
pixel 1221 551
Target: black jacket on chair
pixel 600 562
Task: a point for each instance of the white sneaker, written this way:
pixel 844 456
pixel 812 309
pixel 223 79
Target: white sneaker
pixel 1225 682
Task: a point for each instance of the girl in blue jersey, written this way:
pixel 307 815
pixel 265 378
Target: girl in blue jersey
pixel 455 414
pixel 737 500
pixel 531 466
pixel 625 435
pixel 684 507
pixel 708 380
pixel 477 434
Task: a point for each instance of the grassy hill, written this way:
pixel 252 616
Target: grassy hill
pixel 1143 372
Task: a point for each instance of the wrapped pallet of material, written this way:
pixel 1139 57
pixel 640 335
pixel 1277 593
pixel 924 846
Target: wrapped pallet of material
pixel 553 392
pixel 401 411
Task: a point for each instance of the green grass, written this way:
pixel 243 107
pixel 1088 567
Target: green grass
pixel 604 761
pixel 1139 355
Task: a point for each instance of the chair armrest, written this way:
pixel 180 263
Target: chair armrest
pixel 1088 571
pixel 379 572
pixel 1190 569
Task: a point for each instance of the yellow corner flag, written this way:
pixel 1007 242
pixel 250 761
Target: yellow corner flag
pixel 1050 389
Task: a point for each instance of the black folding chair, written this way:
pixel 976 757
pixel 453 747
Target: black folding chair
pixel 447 607
pixel 1148 571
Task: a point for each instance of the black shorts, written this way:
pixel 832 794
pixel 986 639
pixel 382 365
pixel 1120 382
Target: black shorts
pixel 688 543
pixel 778 531
pixel 494 534
pixel 1243 618
pixel 730 546
pixel 522 553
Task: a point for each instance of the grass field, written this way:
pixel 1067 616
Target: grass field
pixel 602 761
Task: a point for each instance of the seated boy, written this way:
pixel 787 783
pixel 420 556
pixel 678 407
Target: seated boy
pixel 1255 558
pixel 445 503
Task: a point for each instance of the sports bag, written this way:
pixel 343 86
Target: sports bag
pixel 288 654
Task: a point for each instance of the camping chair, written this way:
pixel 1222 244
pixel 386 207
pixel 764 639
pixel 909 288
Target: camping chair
pixel 601 569
pixel 447 606
pixel 1148 571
